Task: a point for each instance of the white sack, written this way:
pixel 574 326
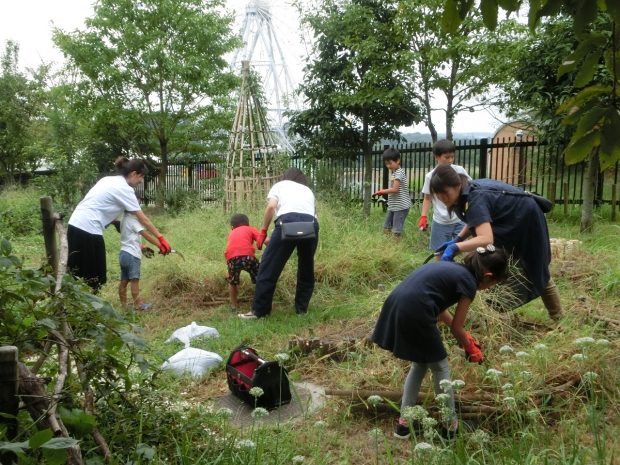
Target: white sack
pixel 187 333
pixel 190 360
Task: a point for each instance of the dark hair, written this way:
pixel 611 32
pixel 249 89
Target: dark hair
pixel 487 259
pixel 125 166
pixel 296 175
pixel 391 154
pixel 239 219
pixel 445 176
pixel 443 146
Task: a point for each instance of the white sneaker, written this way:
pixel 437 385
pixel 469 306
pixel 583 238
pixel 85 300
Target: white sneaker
pixel 247 316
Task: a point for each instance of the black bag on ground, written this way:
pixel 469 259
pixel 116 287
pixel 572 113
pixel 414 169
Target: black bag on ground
pixel 298 230
pixel 245 370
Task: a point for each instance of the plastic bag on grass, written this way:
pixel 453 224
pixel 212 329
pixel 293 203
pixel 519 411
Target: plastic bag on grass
pixel 187 333
pixel 195 362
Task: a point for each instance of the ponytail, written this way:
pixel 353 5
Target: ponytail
pixel 125 166
pixel 487 259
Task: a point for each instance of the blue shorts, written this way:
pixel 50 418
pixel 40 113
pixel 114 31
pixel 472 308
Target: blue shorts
pixel 441 233
pixel 395 221
pixel 130 266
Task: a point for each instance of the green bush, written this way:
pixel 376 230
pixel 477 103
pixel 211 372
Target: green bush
pixel 20 213
pixel 178 200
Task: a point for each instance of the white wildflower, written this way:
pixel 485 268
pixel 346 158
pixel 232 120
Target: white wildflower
pixel 442 398
pixel 320 424
pixel 375 400
pixel 298 459
pixel 415 412
pixel 458 384
pixel 589 376
pixel 602 342
pixel 479 437
pixel 256 391
pixel 282 357
pixel 540 347
pixel 245 444
pixel 510 401
pixel 376 433
pixel 506 349
pixel 522 354
pixel 533 414
pixel 493 373
pixel 526 375
pixel 445 385
pixel 507 365
pixel 259 412
pixel 422 446
pixel 578 357
pixel 507 387
pixel 224 412
pixel 429 423
pixel 584 341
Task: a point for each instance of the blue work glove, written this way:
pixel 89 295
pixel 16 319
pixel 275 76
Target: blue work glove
pixel 447 244
pixel 450 252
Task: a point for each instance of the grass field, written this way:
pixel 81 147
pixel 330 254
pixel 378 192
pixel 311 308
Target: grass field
pixel 524 420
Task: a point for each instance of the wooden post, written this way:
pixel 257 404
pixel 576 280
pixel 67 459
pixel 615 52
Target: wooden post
pixel 566 198
pixel 9 402
pixel 614 199
pixel 49 232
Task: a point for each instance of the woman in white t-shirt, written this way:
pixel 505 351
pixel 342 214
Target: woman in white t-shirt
pixel 289 200
pixel 102 204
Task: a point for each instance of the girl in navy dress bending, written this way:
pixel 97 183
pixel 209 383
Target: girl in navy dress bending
pixel 407 324
pixel 504 215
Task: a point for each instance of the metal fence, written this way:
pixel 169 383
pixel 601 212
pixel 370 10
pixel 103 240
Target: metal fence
pixel 529 164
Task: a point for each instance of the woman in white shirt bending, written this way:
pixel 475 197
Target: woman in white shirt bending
pixel 104 202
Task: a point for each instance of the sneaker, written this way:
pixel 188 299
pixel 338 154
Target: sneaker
pixel 403 431
pixel 144 307
pixel 247 316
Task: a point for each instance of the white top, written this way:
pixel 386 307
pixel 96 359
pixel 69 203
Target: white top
pixel 130 235
pixel 104 202
pixel 440 211
pixel 292 197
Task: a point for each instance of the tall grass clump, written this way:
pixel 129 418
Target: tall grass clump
pixel 20 213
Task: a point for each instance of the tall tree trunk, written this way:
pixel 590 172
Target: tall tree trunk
pixel 589 192
pixel 428 110
pixel 163 171
pixel 367 170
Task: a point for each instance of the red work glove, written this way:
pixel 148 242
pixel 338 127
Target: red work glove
pixel 423 223
pixel 379 192
pixel 472 350
pixel 260 240
pixel 164 247
pixel 147 251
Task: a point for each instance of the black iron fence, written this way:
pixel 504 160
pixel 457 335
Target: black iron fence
pixel 529 164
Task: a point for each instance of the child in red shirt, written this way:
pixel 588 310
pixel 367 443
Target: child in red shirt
pixel 240 254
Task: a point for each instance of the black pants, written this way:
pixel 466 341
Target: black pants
pixel 272 263
pixel 87 258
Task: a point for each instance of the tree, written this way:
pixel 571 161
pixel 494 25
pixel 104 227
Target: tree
pixel 594 111
pixel 356 86
pixel 155 70
pixel 19 106
pixel 538 91
pixel 463 66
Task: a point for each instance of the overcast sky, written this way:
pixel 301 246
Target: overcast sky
pixel 30 23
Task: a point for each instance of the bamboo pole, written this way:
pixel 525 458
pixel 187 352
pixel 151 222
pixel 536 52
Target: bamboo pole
pixel 614 200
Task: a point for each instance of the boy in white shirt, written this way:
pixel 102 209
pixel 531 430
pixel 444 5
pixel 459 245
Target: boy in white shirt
pixel 445 225
pixel 129 259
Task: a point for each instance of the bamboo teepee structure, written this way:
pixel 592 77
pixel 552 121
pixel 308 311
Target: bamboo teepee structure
pixel 252 150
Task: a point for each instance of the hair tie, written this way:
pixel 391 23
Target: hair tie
pixel 489 248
